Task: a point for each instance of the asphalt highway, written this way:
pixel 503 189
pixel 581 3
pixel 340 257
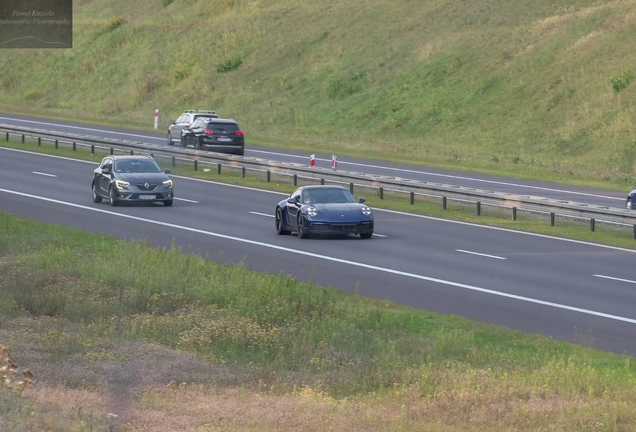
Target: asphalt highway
pixel 570 290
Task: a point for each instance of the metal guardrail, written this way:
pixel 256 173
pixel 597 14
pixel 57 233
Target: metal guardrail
pixel 444 191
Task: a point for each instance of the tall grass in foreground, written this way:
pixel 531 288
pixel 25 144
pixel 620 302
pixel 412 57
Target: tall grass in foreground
pixel 72 301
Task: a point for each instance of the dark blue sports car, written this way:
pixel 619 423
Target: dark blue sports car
pixel 323 210
pixel 631 197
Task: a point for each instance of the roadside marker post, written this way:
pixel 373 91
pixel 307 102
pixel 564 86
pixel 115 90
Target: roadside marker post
pixel 156 118
pixel 312 161
pixel 334 162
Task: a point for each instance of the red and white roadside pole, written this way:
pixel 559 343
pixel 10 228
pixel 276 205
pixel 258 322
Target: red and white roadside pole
pixel 312 161
pixel 156 118
pixel 334 162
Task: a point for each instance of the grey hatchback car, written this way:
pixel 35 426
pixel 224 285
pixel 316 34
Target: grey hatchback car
pixel 131 179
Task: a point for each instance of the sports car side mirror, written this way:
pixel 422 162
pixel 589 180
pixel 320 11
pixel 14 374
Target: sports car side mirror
pixel 361 200
pixel 292 201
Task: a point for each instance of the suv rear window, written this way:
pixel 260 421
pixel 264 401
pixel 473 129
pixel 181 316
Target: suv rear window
pixel 227 127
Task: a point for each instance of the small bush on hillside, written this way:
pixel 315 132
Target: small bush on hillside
pixel 622 80
pixel 31 95
pixel 166 2
pixel 229 64
pixel 114 23
pixel 345 87
pixel 182 71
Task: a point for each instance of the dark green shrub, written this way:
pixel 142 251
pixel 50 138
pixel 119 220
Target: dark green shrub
pixel 622 80
pixel 229 64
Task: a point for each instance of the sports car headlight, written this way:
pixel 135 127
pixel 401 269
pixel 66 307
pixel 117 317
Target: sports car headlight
pixel 312 211
pixel 121 184
pixel 168 184
pixel 366 210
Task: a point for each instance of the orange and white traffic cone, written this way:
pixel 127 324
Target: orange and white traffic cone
pixel 312 161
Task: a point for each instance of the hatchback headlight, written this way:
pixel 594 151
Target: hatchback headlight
pixel 312 211
pixel 168 184
pixel 120 184
pixel 366 210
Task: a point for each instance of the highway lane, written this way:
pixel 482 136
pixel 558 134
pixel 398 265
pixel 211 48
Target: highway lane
pixel 569 290
pixel 475 180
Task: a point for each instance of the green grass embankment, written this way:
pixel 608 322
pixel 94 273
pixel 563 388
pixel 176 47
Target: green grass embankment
pixel 122 335
pixel 539 89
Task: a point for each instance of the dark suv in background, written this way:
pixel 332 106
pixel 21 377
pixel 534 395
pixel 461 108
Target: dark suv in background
pixel 185 120
pixel 214 134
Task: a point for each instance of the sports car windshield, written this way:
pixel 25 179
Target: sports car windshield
pixel 141 166
pixel 327 195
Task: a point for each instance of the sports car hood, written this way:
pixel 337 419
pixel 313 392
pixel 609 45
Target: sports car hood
pixel 143 177
pixel 340 211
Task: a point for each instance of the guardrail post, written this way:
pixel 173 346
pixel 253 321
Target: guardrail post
pixel 174 161
pixel 634 231
pixel 552 219
pixel 39 141
pixel 514 213
pixel 132 152
pixel 112 152
pixel 218 168
pixel 351 187
pixel 7 136
pixel 381 190
pixel 74 146
pixel 242 172
pixel 22 138
pixel 478 208
pixel 592 224
pixel 443 203
pixel 56 144
pixel 412 198
pixel 269 176
pixel 195 165
pixel 92 149
pixel 322 181
pixel 295 179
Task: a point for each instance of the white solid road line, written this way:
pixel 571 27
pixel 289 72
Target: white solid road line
pixel 333 259
pixel 78 127
pixel 480 254
pixel 44 174
pixel 262 214
pixel 614 278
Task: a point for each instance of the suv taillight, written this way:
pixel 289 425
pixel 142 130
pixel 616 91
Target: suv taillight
pixel 208 131
pixel 239 132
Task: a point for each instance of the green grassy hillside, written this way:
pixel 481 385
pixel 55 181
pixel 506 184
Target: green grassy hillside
pixel 538 88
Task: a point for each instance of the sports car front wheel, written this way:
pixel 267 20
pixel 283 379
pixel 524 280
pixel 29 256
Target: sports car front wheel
pixel 280 227
pixel 366 235
pixel 301 230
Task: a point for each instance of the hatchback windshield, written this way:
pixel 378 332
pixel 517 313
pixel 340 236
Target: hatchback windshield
pixel 137 166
